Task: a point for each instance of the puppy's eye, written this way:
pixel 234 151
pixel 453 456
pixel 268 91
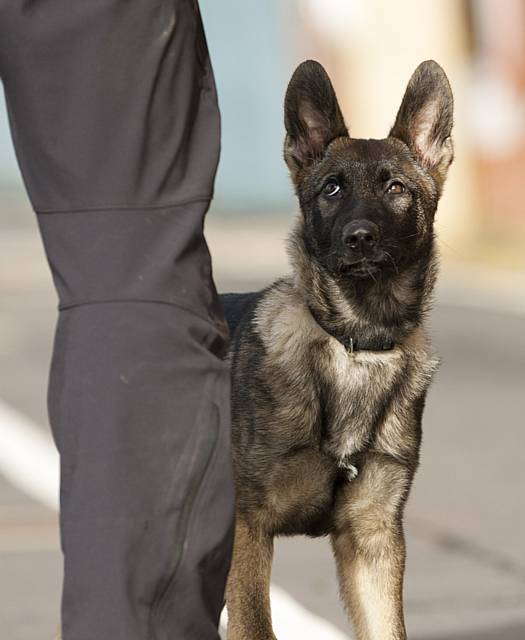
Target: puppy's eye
pixel 396 188
pixel 331 188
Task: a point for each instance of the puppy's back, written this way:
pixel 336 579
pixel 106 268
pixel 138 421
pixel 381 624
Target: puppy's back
pixel 238 307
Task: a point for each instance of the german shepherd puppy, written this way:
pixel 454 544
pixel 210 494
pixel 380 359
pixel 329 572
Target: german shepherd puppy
pixel 331 365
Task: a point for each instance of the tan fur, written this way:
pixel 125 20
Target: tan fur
pixel 369 548
pixel 249 583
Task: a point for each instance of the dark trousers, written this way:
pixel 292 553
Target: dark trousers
pixel 114 117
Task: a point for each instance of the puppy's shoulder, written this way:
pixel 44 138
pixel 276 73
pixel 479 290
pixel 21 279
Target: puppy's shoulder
pixel 423 360
pixel 282 319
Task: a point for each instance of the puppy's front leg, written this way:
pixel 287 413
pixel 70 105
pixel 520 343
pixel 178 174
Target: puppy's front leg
pixel 369 548
pixel 248 587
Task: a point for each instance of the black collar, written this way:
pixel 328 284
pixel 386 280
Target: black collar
pixel 352 344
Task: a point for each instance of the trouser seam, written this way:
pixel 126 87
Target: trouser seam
pixel 173 205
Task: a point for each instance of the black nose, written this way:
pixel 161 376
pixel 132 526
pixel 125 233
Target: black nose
pixel 360 234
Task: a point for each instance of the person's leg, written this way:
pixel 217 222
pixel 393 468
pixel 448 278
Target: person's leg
pixel 114 116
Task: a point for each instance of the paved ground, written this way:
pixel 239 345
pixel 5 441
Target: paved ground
pixel 465 521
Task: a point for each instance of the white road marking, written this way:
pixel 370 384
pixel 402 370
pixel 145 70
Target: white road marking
pixel 29 460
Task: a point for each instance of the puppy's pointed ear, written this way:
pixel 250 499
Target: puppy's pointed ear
pixel 312 116
pixel 424 120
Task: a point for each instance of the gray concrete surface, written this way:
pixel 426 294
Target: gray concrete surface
pixel 466 517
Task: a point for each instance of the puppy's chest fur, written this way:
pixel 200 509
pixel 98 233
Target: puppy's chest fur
pixel 342 402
